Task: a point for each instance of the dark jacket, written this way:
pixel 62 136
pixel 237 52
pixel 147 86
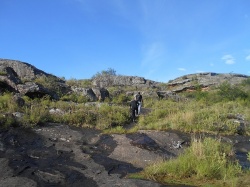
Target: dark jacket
pixel 138 97
pixel 134 104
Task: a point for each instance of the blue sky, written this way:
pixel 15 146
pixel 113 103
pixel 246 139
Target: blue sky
pixel 159 40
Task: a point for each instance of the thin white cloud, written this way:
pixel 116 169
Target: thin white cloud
pixel 182 69
pixel 228 59
pixel 153 54
pixel 248 58
pixel 211 64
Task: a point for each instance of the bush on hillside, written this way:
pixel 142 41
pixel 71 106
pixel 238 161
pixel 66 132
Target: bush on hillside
pixel 108 72
pixel 230 92
pixel 74 97
pixel 121 99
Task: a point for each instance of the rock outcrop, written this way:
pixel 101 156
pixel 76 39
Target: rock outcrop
pixel 93 94
pixel 23 78
pixel 204 81
pixel 119 80
pixel 168 95
pixel 21 70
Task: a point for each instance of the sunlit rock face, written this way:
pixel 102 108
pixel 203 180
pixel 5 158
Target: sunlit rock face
pixel 23 78
pixel 204 81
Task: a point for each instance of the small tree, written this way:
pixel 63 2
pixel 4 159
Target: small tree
pixel 104 73
pixel 106 77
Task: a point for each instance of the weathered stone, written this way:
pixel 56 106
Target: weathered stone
pixel 119 80
pixel 18 100
pixel 19 77
pixel 56 111
pixel 22 70
pixel 18 115
pixel 34 90
pixel 168 95
pixel 101 93
pixel 88 92
pixel 204 81
pixel 8 79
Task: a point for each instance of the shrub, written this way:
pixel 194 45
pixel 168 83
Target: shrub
pixel 50 82
pixel 7 121
pixel 79 83
pixel 109 116
pixel 229 92
pixel 7 104
pixel 108 72
pixel 74 97
pixel 35 114
pixel 121 99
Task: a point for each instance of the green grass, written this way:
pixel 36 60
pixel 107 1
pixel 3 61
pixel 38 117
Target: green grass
pixel 195 116
pixel 36 111
pixel 207 161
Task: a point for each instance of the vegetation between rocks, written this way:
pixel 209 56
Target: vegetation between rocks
pixel 224 110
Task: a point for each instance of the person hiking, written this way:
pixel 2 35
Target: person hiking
pixel 138 98
pixel 133 109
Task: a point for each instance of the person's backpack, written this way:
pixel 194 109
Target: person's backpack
pixel 138 97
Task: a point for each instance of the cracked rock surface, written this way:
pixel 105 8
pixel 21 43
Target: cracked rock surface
pixel 60 155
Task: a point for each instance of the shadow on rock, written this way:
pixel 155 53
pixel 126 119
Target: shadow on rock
pixel 143 141
pixel 28 157
pixel 100 152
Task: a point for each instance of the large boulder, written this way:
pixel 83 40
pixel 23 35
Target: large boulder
pixel 87 92
pixel 22 70
pixel 34 90
pixel 168 95
pixel 94 94
pixel 21 77
pixel 8 79
pixel 18 100
pixel 101 93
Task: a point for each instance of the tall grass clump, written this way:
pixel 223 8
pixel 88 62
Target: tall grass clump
pixel 205 161
pixel 7 107
pixel 109 116
pixel 7 103
pixel 121 99
pixel 35 115
pixel 74 97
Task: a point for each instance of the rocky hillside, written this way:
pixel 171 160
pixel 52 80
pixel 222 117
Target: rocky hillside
pixel 25 79
pixel 55 154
